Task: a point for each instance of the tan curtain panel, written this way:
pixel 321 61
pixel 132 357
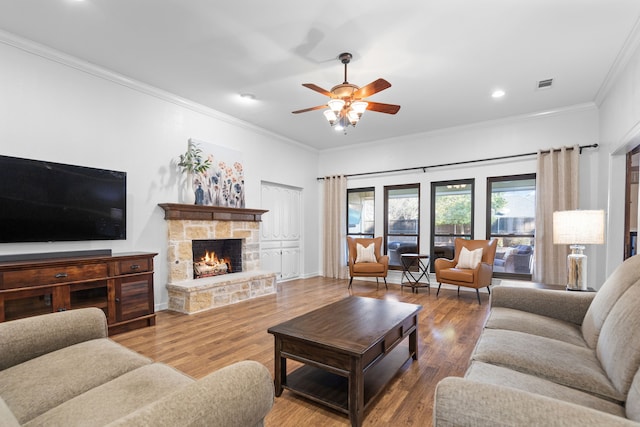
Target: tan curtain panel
pixel 556 190
pixel 335 227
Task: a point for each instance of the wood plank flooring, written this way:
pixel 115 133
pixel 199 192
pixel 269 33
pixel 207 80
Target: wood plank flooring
pixel 198 344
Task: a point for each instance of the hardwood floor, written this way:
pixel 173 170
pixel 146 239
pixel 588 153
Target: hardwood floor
pixel 198 344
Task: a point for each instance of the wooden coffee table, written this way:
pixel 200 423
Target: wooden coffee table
pixel 349 350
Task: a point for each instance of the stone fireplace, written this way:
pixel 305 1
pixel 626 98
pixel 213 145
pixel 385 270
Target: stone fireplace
pixel 189 225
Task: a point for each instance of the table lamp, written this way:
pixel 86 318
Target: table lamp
pixel 578 228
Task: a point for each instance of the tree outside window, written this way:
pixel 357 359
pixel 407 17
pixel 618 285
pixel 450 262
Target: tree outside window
pixel 451 216
pixel 402 221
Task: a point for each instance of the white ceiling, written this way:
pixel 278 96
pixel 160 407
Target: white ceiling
pixel 442 57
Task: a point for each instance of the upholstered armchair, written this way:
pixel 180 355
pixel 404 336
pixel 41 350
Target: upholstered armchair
pixel 467 268
pixel 365 259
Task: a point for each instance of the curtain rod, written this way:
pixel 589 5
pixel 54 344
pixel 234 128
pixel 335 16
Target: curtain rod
pixel 424 168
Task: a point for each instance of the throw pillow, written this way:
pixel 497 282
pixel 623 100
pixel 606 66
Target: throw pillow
pixel 365 254
pixel 469 259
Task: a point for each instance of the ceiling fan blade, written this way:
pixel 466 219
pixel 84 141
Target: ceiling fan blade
pixel 383 108
pixel 371 88
pixel 310 109
pixel 317 89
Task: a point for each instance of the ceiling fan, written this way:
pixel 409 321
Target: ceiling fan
pixel 347 103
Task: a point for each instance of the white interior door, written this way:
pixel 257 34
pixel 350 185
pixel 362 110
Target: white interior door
pixel 280 230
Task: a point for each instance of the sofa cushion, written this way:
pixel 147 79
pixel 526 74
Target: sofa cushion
pixel 557 361
pixel 115 399
pixel 492 374
pixel 535 324
pixel 238 395
pixel 622 278
pixel 37 385
pixel 619 343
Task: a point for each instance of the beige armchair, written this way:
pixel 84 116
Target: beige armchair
pixel 448 271
pixel 378 265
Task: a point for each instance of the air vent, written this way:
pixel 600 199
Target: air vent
pixel 545 84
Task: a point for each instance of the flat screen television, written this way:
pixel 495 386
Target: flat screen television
pixel 43 201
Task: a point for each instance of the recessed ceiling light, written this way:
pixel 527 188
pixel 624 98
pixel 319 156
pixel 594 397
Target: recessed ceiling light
pixel 499 93
pixel 248 96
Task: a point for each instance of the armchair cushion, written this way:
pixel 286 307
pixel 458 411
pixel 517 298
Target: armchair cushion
pixel 458 275
pixel 365 253
pixel 368 267
pixel 469 259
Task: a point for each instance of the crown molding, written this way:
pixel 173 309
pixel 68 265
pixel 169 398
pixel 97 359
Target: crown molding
pixel 76 63
pixel 586 106
pixel 623 58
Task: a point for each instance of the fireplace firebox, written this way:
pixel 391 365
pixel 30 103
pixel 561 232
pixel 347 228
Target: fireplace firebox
pixel 214 257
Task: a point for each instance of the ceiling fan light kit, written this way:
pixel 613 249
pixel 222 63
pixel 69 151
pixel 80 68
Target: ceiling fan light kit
pixel 346 105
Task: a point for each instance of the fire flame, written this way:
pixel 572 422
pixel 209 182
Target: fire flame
pixel 211 259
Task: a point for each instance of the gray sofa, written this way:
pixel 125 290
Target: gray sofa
pixel 61 370
pixel 553 358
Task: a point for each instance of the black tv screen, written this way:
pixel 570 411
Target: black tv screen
pixel 43 201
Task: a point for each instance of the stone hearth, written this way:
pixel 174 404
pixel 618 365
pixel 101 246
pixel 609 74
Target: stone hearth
pixel 188 295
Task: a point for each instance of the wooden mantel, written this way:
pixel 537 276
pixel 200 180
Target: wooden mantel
pixel 209 213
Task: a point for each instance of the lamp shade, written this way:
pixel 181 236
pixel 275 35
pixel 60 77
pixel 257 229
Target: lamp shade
pixel 579 227
pixel 336 105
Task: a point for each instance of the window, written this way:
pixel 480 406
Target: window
pixel 401 222
pixel 451 216
pixel 360 212
pixel 511 219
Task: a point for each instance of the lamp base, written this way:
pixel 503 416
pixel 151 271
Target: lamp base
pixel 577 269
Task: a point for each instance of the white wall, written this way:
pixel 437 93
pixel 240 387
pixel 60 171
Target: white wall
pixel 516 135
pixel 54 109
pixel 619 133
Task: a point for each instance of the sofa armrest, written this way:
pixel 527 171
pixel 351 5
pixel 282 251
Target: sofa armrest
pixel 462 402
pixel 563 305
pixel 28 338
pixel 237 395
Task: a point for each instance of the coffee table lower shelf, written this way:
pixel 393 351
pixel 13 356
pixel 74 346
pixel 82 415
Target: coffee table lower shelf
pixel 332 390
